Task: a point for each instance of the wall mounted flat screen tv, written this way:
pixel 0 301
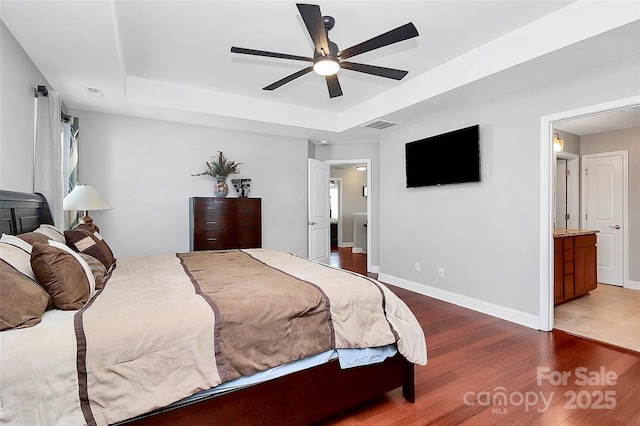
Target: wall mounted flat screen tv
pixel 452 157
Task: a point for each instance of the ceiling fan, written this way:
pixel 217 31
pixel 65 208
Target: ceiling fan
pixel 327 59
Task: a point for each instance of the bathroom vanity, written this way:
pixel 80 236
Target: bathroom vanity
pixel 575 263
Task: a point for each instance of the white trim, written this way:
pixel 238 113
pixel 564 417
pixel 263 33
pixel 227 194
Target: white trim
pixel 546 191
pixel 339 183
pixel 345 244
pixel 573 165
pixel 367 161
pixel 625 205
pixel 633 285
pixel 508 314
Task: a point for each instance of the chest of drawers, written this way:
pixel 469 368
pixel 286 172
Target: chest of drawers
pixel 224 223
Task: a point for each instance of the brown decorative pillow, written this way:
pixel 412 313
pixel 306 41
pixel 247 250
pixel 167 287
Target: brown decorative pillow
pixel 34 237
pixel 22 300
pixel 61 275
pixel 97 269
pixel 84 241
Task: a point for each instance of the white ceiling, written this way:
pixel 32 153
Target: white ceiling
pixel 171 60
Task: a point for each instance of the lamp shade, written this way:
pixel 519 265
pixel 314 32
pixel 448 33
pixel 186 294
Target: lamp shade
pixel 85 197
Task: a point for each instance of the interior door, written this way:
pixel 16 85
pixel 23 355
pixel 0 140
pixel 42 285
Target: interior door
pixel 561 193
pixel 603 180
pixel 318 216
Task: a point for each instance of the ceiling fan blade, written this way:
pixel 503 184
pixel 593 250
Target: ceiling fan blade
pixel 375 70
pixel 334 86
pixel 312 18
pixel 269 54
pixel 402 33
pixel 288 78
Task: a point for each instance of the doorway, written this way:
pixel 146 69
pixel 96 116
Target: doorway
pixel 363 199
pixel 547 164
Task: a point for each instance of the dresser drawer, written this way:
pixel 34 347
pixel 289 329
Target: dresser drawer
pixel 234 208
pixel 217 240
pixel 216 222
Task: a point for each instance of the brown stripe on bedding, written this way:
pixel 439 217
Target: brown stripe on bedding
pixel 81 365
pixel 266 317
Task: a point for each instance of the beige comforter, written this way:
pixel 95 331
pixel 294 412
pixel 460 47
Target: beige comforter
pixel 165 327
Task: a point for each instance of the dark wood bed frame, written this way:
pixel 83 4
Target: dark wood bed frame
pixel 299 398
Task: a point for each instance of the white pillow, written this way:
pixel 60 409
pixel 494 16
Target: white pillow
pixel 51 232
pixel 15 241
pixel 16 256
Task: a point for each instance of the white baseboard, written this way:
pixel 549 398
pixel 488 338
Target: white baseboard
pixel 375 269
pixel 498 311
pixel 357 250
pixel 634 285
pixel 345 244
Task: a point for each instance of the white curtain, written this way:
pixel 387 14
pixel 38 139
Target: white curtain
pixel 48 163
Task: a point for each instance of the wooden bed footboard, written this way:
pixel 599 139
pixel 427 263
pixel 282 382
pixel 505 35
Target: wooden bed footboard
pixel 296 399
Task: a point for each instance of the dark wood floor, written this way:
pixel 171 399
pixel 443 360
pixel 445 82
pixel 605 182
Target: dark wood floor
pixel 474 359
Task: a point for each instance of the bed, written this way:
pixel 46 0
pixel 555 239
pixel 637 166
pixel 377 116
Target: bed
pixel 191 384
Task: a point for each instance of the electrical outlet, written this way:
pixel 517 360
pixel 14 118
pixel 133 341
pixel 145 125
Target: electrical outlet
pixel 417 267
pixel 441 272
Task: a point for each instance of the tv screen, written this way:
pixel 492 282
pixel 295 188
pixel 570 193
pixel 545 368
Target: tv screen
pixel 452 157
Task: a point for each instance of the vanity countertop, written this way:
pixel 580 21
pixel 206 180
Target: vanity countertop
pixel 561 233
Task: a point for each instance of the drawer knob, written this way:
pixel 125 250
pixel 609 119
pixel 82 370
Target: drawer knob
pixel 211 223
pixel 212 239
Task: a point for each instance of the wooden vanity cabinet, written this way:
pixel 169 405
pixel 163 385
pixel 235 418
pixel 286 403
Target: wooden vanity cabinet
pixel 575 266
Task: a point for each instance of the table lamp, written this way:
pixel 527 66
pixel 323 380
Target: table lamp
pixel 85 197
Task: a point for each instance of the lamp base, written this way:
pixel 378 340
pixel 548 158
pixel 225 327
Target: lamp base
pixel 86 220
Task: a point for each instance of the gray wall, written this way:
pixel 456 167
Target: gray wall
pixel 143 168
pixel 18 80
pixel 486 235
pixel 627 139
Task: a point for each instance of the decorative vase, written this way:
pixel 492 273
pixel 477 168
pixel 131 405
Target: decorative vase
pixel 221 189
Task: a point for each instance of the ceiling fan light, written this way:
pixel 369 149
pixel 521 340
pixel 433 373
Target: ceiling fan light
pixel 326 66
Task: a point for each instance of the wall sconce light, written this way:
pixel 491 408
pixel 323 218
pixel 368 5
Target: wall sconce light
pixel 85 197
pixel 558 143
pixel 361 168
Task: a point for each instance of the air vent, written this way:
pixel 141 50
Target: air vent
pixel 94 91
pixel 379 124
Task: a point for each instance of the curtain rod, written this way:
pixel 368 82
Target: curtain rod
pixel 43 91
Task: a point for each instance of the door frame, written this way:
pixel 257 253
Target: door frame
pixel 573 165
pixel 366 161
pixel 339 183
pixel 625 206
pixel 547 158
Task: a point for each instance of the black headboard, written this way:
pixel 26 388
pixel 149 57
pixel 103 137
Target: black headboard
pixel 22 212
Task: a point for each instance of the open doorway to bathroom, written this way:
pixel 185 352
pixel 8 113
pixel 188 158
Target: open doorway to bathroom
pixel 609 313
pixel 350 209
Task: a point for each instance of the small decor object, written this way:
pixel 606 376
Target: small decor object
pixel 243 186
pixel 220 168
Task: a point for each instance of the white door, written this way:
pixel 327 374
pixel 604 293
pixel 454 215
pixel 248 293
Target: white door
pixel 561 193
pixel 603 193
pixel 318 219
